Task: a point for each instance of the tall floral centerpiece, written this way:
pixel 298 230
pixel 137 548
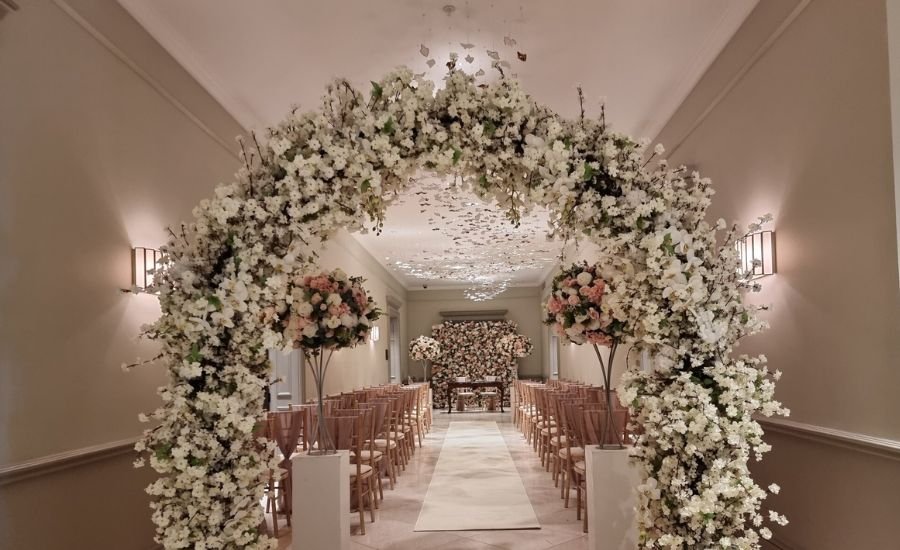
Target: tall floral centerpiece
pixel 516 346
pixel 328 312
pixel 424 349
pixel 575 313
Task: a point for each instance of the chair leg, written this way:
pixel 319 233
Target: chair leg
pixel 389 455
pixel 584 507
pixel 380 484
pixel 370 498
pixel 287 500
pixel 577 501
pixel 360 508
pixel 273 499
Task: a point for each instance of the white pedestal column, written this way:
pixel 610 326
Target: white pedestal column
pixel 321 500
pixel 611 483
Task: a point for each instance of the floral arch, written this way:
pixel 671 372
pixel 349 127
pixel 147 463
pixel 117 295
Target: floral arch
pixel 672 289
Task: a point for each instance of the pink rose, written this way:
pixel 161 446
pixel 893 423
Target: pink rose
pixel 574 300
pixel 554 306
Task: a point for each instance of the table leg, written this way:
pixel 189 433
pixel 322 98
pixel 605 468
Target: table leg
pixel 502 387
pixel 449 400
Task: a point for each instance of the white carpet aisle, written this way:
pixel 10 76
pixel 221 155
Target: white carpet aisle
pixel 475 485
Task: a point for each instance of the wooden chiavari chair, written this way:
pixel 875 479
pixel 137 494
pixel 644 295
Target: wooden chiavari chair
pixel 385 440
pixel 348 432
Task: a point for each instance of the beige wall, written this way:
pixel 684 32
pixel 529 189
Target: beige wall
pixel 522 305
pixel 95 157
pixel 104 141
pixel 805 134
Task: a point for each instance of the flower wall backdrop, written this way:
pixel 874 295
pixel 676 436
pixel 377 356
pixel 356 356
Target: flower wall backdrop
pixel 469 348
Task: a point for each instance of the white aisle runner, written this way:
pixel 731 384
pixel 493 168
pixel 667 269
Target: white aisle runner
pixel 475 485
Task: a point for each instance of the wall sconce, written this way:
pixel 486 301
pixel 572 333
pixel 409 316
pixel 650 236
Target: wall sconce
pixel 144 263
pixel 757 252
pixel 374 334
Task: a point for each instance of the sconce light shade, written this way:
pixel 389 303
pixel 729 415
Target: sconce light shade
pixel 757 251
pixel 374 334
pixel 144 263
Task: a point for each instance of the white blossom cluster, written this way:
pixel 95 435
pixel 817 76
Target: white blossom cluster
pixel 424 348
pixel 671 287
pixel 699 433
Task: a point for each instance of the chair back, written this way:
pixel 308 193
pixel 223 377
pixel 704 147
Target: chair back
pixel 286 427
pixel 595 428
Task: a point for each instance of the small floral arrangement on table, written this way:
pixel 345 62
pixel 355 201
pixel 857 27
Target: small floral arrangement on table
pixel 515 345
pixel 574 307
pixel 424 348
pixel 328 311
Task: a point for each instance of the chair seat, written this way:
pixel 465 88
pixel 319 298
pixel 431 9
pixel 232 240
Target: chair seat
pixel 579 467
pixel 577 453
pixel 368 456
pixel 548 431
pixel 364 471
pixel 488 393
pixel 383 443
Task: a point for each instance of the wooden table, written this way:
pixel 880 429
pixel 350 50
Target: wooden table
pixel 452 385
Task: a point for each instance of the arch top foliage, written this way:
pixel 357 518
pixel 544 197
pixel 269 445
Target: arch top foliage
pixel 672 288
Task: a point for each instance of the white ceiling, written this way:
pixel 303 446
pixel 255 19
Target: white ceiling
pixel 258 59
pixel 439 235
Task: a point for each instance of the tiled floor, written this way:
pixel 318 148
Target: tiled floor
pixel 396 518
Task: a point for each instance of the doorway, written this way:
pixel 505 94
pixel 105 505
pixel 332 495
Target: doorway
pixel 554 357
pixel 288 380
pixel 394 349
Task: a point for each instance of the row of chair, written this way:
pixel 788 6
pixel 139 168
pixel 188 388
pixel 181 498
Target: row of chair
pixel 560 419
pixel 379 426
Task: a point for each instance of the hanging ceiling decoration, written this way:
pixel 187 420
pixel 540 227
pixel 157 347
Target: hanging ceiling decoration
pixel 439 233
